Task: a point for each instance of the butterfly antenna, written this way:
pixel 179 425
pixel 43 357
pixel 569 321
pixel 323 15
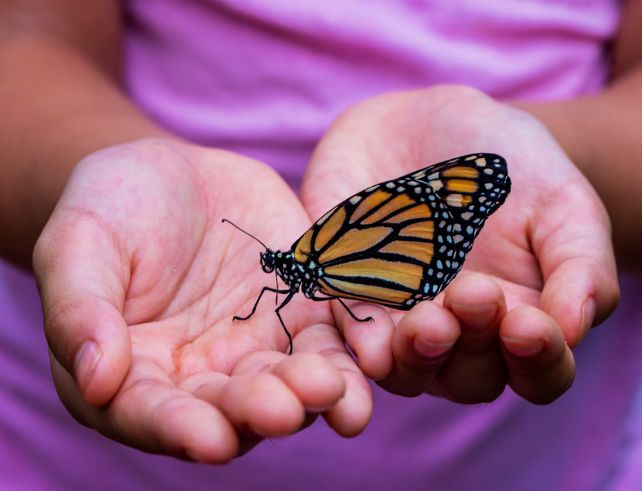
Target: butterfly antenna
pixel 246 233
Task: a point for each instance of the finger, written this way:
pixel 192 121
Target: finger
pixel 475 371
pixel 151 414
pixel 478 304
pixel 257 405
pixel 369 339
pixel 352 412
pixel 208 386
pixel 315 381
pixel 261 404
pixel 421 343
pixel 78 274
pixel 540 363
pixel 573 246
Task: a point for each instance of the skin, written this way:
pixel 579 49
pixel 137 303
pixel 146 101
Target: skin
pixel 152 279
pixel 107 182
pixel 529 251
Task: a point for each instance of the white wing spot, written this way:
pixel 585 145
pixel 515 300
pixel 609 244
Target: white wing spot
pixel 454 200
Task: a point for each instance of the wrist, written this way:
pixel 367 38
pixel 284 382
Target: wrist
pixel 48 132
pixel 561 119
pixel 600 135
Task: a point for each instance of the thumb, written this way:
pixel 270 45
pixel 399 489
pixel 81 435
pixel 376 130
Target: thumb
pixel 77 268
pixel 572 242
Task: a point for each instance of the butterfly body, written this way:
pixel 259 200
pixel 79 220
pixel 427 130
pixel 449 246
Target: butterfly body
pixel 398 242
pixel 293 273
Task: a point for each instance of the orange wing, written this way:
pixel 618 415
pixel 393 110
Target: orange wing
pixel 403 241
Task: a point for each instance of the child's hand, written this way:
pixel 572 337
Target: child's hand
pixel 546 255
pixel 140 280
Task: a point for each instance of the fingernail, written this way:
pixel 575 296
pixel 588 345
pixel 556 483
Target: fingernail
pixel 523 347
pixel 430 349
pixel 85 363
pixel 475 316
pixel 588 314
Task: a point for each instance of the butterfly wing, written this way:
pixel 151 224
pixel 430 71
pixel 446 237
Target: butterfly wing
pixel 403 241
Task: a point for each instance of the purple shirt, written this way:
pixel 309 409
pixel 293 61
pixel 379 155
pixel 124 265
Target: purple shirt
pixel 265 79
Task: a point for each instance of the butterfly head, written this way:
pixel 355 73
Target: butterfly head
pixel 268 260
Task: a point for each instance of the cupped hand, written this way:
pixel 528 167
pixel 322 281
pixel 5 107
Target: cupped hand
pixel 139 282
pixel 540 274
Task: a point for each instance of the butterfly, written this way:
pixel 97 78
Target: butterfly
pixel 396 243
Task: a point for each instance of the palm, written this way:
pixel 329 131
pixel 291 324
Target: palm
pixel 551 225
pixel 150 215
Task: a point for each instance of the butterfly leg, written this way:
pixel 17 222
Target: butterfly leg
pixel 265 288
pixel 285 302
pixel 352 314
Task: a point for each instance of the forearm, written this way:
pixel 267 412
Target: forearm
pixel 58 105
pixel 602 135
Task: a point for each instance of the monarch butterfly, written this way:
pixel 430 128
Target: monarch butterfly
pixel 395 243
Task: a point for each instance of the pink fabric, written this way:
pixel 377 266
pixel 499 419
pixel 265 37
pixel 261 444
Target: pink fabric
pixel 265 79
